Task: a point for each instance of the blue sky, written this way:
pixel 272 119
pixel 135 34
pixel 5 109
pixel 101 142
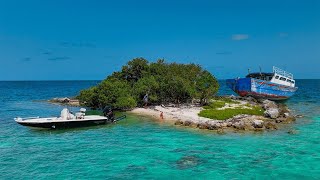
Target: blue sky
pixel 85 40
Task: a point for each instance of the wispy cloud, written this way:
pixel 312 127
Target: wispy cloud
pixel 62 58
pixel 239 37
pixel 283 34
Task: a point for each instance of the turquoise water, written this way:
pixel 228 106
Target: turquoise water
pixel 141 148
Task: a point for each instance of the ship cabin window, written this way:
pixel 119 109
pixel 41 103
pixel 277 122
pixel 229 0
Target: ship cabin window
pixel 290 81
pixel 261 76
pixel 277 77
pixel 283 79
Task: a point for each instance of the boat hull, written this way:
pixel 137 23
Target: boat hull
pixel 65 124
pixel 260 89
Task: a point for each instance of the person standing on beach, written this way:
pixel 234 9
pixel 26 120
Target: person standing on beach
pixel 161 115
pixel 145 100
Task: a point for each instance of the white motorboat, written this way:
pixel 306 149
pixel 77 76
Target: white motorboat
pixel 68 120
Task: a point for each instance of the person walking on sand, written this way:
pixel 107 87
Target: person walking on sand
pixel 145 100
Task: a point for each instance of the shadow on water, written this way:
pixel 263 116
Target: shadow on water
pixel 68 130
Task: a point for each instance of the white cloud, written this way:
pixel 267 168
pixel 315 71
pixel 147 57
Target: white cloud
pixel 239 37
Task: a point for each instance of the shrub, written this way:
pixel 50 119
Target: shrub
pixel 215 105
pixel 125 103
pixel 226 100
pixel 229 113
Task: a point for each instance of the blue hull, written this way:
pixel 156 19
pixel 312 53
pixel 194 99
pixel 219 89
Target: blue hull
pixel 260 89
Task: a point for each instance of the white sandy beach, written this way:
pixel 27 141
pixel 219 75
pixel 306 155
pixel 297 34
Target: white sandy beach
pixel 184 113
pixel 172 114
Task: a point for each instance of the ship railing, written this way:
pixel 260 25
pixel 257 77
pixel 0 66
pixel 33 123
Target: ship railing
pixel 282 72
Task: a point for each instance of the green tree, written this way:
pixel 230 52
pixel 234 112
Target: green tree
pixel 164 83
pixel 206 86
pixel 146 85
pixel 135 69
pixel 89 97
pixel 111 90
pixel 125 102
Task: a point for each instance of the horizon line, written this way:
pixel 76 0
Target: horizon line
pixel 103 79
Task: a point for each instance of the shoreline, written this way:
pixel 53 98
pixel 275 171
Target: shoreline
pixel 274 114
pixel 188 116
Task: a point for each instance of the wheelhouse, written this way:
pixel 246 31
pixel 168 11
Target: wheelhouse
pixel 278 76
pixel 261 76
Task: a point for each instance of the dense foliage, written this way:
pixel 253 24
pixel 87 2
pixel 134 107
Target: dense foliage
pixel 163 82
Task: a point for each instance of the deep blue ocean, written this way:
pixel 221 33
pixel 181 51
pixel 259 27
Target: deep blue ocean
pixel 141 148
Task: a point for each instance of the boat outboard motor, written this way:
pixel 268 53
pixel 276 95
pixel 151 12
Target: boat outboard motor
pixel 107 112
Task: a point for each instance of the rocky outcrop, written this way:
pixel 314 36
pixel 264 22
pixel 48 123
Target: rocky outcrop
pixel 274 113
pixel 240 122
pixel 270 125
pixel 60 100
pixel 257 124
pixel 65 101
pixel 271 109
pixel 267 104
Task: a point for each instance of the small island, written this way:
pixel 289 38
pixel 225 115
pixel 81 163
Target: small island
pixel 182 94
pixel 162 82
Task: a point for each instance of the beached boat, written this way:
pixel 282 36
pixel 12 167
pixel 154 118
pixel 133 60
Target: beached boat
pixel 68 120
pixel 278 85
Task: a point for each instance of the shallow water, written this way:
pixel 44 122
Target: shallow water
pixel 142 148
